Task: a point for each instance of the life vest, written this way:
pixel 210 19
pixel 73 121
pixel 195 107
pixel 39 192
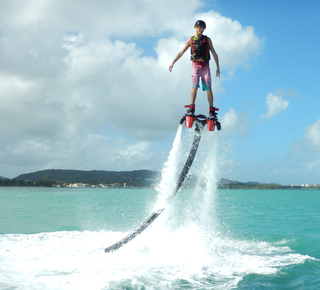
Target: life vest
pixel 200 48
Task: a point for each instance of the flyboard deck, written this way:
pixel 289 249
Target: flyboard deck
pixel 154 215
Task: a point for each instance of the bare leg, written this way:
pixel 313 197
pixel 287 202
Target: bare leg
pixel 193 95
pixel 210 98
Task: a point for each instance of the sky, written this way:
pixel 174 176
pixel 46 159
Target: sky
pixel 85 85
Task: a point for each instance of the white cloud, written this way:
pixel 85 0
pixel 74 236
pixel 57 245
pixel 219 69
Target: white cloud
pixel 311 141
pixel 312 135
pixel 234 43
pixel 71 72
pixel 235 123
pixel 307 152
pixel 314 166
pixel 275 105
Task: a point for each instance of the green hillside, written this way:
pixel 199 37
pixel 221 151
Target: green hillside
pixel 135 177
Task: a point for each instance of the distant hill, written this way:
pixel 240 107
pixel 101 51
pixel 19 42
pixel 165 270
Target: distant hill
pixel 136 177
pixel 3 177
pixel 225 183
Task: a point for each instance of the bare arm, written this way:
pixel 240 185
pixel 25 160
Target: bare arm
pixel 215 56
pixel 180 53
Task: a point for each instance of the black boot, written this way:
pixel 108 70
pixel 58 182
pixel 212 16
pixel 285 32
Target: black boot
pixel 212 113
pixel 191 109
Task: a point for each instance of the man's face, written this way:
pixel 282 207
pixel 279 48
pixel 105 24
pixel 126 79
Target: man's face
pixel 199 29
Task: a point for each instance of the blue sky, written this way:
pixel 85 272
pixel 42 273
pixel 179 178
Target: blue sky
pixel 286 66
pixel 89 88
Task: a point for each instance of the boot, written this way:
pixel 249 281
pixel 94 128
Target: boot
pixel 191 109
pixel 212 113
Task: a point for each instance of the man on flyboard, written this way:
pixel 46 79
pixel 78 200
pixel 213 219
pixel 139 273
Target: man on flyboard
pixel 200 46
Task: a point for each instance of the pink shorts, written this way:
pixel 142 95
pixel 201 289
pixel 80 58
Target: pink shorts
pixel 201 69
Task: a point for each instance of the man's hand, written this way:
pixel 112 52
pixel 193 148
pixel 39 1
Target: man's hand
pixel 218 73
pixel 171 67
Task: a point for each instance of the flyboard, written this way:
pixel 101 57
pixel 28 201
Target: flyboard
pixel 200 121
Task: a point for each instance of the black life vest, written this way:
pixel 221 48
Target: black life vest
pixel 200 48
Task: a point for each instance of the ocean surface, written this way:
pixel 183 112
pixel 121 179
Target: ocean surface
pixel 206 238
pixel 54 238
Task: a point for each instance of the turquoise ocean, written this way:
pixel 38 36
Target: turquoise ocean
pixel 206 238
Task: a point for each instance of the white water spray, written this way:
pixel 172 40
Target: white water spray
pixel 199 201
pixel 208 180
pixel 170 172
